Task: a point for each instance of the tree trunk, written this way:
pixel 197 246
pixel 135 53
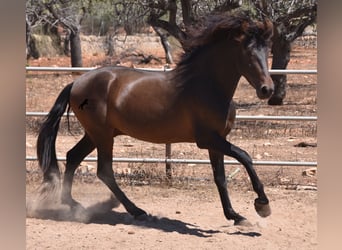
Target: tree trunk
pixel 281 49
pixel 166 45
pixel 28 40
pixel 75 49
pixel 187 12
pixel 110 44
pixel 172 29
pixel 66 43
pixel 167 49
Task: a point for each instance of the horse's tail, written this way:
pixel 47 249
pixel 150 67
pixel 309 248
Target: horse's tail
pixel 46 142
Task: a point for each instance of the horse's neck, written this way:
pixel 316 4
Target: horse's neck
pixel 220 69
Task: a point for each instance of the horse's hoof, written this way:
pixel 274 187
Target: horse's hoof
pixel 243 223
pixel 262 208
pixel 275 100
pixel 138 214
pixel 142 217
pixel 73 204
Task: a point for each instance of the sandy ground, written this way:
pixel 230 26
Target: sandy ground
pixel 187 213
pixel 186 218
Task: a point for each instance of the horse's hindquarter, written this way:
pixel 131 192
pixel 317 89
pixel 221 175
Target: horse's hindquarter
pixel 147 106
pixel 88 97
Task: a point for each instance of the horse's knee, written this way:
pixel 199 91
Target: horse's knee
pixel 220 181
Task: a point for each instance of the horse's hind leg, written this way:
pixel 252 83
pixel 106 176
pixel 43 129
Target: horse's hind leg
pixel 106 174
pixel 74 157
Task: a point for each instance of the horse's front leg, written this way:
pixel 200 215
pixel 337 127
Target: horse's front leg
pixel 215 143
pixel 217 164
pixel 261 203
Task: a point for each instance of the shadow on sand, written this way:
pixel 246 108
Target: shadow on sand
pixel 103 213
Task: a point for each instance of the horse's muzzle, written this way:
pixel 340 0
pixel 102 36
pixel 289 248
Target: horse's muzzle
pixel 265 91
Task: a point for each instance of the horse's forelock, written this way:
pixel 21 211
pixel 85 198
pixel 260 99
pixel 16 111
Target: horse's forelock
pixel 266 29
pixel 260 32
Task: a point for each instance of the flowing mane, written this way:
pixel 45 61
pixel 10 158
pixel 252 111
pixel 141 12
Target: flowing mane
pixel 214 28
pixel 224 26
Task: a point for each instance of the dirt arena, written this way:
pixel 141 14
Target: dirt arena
pixel 186 213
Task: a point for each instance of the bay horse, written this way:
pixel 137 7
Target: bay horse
pixel 191 103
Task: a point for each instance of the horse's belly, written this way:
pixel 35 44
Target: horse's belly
pixel 156 131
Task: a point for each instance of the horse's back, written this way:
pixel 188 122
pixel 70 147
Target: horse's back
pixel 142 104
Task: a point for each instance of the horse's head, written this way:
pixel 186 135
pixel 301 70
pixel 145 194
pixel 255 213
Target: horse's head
pixel 253 43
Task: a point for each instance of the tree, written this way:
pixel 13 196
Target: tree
pixel 173 18
pixel 35 16
pixel 177 17
pixel 69 14
pixel 51 13
pixel 130 14
pixel 167 15
pixel 290 18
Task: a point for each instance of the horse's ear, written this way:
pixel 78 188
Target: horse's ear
pixel 267 29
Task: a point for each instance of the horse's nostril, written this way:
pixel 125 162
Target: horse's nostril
pixel 265 90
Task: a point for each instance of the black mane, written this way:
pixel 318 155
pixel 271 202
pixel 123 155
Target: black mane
pixel 215 28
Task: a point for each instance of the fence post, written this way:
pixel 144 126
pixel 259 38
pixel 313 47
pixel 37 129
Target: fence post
pixel 168 167
pixel 168 163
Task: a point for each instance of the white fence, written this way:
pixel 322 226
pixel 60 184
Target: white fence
pixel 84 69
pixel 168 160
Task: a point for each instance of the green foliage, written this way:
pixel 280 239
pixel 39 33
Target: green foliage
pixel 98 17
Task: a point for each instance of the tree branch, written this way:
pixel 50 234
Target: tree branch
pixel 187 12
pixel 50 7
pixel 228 6
pixel 172 29
pixel 307 11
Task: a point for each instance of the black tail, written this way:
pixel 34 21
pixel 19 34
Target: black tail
pixel 46 142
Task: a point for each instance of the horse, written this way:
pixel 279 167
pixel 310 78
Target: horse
pixel 190 103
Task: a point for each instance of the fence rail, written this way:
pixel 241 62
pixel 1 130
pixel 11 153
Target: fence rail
pixel 168 160
pixel 189 161
pixel 84 69
pixel 238 117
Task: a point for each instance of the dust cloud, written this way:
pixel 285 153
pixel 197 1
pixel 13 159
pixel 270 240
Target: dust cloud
pixel 46 204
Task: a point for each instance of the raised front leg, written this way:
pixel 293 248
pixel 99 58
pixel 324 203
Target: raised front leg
pixel 215 143
pixel 261 203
